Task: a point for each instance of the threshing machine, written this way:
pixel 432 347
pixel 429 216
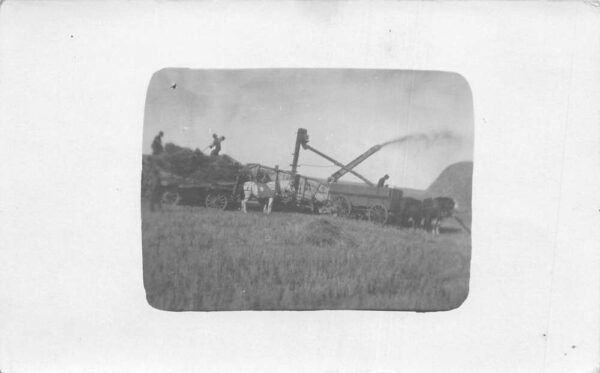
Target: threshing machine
pixel 378 204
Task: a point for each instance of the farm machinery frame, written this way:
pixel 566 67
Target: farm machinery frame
pixel 377 204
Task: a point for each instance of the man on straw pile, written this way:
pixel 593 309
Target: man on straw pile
pixel 216 144
pixel 157 147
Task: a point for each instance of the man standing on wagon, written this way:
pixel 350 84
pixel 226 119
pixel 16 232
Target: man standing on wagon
pixel 381 182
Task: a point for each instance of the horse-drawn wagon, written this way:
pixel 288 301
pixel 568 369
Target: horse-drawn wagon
pixel 288 191
pixel 378 205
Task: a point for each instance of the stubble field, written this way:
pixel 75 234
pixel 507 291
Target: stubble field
pixel 202 259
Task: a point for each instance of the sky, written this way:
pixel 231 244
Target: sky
pixel 346 111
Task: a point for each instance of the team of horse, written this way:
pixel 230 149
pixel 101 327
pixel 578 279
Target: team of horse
pixel 427 214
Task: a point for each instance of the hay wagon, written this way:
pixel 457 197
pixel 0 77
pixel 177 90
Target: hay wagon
pixel 220 195
pixel 378 205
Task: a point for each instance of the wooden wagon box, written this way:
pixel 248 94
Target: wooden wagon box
pixel 365 195
pixel 371 202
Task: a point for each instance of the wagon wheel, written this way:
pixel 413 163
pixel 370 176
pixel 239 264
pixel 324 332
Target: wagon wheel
pixel 216 200
pixel 378 214
pixel 170 198
pixel 341 206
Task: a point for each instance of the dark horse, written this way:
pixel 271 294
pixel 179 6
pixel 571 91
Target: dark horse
pixel 435 210
pixel 411 212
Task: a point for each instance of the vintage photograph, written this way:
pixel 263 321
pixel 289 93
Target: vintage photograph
pixel 307 189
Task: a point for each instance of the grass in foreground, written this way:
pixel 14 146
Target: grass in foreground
pixel 200 259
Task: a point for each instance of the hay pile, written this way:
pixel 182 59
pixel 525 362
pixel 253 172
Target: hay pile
pixel 321 232
pixel 180 165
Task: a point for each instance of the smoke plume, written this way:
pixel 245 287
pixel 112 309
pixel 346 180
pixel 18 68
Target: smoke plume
pixel 427 138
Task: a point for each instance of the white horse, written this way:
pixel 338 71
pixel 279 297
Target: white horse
pixel 263 191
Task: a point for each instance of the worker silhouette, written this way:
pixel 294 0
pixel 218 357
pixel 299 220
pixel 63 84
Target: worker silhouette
pixel 381 182
pixel 157 147
pixel 156 189
pixel 216 144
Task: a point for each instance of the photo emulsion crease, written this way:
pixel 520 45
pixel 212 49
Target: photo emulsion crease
pixel 307 189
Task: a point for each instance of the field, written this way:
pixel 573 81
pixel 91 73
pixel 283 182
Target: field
pixel 201 259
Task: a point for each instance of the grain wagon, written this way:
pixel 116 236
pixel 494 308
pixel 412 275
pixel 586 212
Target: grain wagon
pixel 378 205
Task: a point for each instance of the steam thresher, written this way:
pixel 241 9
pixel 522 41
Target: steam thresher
pixel 377 204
